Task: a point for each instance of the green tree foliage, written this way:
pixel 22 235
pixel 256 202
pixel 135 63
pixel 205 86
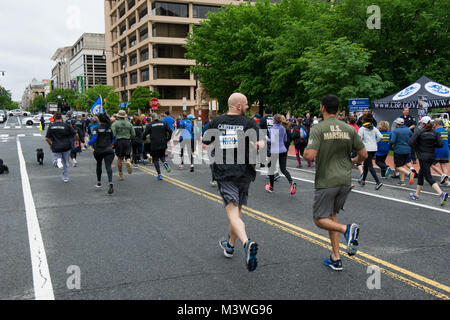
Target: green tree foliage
pixel 63 97
pixel 38 105
pixel 5 100
pixel 140 99
pixel 111 99
pixel 287 54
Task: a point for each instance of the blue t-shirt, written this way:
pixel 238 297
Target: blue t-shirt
pixel 442 153
pixel 400 137
pixel 170 121
pixel 187 129
pixel 384 145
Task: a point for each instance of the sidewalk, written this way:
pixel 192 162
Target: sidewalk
pixel 389 162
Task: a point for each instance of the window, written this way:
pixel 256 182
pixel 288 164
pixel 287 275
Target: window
pixel 143 34
pixel 144 54
pixel 124 80
pixel 132 21
pixel 170 9
pixel 201 11
pixel 145 75
pixel 170 72
pixel 131 4
pixel 133 59
pixel 170 30
pixel 122 28
pixel 143 13
pixel 173 92
pixel 168 51
pixel 132 40
pixel 133 77
pixel 122 11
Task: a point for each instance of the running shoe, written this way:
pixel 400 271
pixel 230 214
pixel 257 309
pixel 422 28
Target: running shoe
pixel 444 177
pixel 293 188
pixel 411 177
pixel 135 166
pixel 378 186
pixel 276 176
pixel 269 188
pixel 362 182
pixel 227 249
pixel 214 183
pixel 251 249
pixel 351 236
pixel 111 189
pixel 191 169
pixel 143 162
pixel 401 183
pixel 388 171
pixel 129 168
pixel 443 197
pixel 413 196
pixel 98 185
pixel 66 180
pixel 59 163
pixel 335 265
pixel 74 164
pixel 120 175
pixel 168 168
pixel 351 186
pixel 181 167
pixel 159 177
pixel 309 164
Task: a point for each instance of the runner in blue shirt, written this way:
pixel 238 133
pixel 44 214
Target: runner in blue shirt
pixel 441 154
pixel 170 122
pixel 187 139
pixel 384 145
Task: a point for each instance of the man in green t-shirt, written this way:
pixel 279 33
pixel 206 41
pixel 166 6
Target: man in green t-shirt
pixel 123 132
pixel 330 143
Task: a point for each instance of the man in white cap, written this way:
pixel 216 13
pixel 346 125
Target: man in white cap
pixel 123 131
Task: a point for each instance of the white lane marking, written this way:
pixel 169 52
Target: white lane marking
pixel 379 196
pixel 4 135
pixel 43 289
pixel 18 127
pixel 370 182
pixel 37 135
pixel 29 127
pixel 8 127
pixel 21 135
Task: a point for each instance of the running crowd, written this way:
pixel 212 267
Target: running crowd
pixel 333 145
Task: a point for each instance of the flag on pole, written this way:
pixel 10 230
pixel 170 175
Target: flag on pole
pixel 97 107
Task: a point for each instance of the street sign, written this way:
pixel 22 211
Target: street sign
pixel 355 105
pixel 123 105
pixel 80 85
pixel 154 103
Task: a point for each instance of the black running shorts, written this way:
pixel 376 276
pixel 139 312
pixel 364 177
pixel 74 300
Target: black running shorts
pixel 236 192
pixel 123 148
pixel 329 200
pixel 400 159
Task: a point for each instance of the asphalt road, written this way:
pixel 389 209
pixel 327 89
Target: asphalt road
pixel 158 240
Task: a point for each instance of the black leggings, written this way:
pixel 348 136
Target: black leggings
pixel 425 172
pixel 368 166
pixel 381 163
pixel 185 144
pixel 156 156
pixel 136 148
pixel 108 157
pixel 282 157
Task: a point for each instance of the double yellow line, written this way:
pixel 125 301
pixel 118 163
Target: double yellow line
pixel 427 285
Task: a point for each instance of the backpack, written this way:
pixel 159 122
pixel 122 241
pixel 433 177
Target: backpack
pixel 299 134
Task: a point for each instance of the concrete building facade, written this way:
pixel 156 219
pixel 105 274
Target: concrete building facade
pixel 34 89
pixel 144 47
pixel 61 71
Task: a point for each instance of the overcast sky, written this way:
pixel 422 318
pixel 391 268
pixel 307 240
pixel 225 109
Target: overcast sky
pixel 31 31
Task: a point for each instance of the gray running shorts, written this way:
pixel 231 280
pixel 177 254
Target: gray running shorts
pixel 329 200
pixel 236 192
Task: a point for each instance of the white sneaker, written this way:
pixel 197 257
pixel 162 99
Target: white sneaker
pixel 59 163
pixel 66 180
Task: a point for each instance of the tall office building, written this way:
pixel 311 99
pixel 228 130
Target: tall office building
pixel 144 47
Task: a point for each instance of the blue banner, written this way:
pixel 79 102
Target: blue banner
pixel 97 107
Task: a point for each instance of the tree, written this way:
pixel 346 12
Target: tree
pixel 39 104
pixel 339 67
pixel 5 100
pixel 232 48
pixel 111 99
pixel 65 98
pixel 140 99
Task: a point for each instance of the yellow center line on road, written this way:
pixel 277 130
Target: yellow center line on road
pixel 319 240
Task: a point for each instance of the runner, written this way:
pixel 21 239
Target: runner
pixel 136 142
pixel 331 142
pixel 277 138
pixel 300 137
pixel 58 137
pixel 402 151
pixel 187 140
pixel 425 141
pixel 76 148
pixel 171 123
pixel 370 136
pixel 160 134
pixel 102 140
pixel 441 154
pixel 123 132
pixel 234 178
pixel 359 166
pixel 411 124
pixel 383 149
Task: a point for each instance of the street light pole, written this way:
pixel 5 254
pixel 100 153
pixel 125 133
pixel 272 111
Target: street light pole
pixel 123 58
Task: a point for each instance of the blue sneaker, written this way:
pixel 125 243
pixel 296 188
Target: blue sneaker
pixel 251 249
pixel 335 265
pixel 351 237
pixel 227 249
pixel 443 197
pixel 413 196
pixel 159 177
pixel 388 171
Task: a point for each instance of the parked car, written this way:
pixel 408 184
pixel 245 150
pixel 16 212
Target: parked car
pixel 36 119
pixel 4 116
pixel 18 113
